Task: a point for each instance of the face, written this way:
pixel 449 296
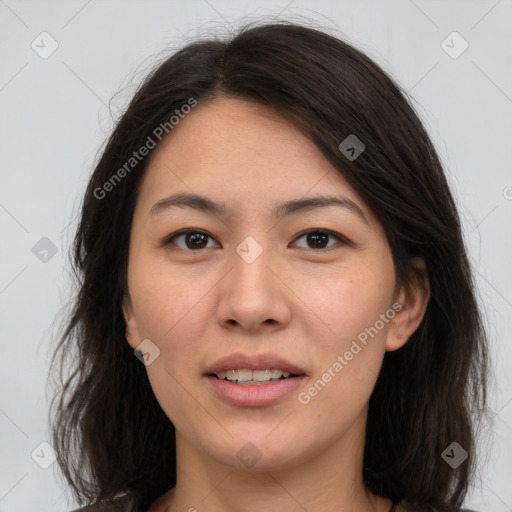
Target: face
pixel 262 281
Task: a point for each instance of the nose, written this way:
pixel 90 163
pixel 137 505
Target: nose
pixel 254 296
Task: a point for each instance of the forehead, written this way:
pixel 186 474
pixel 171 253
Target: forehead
pixel 236 150
pixel 231 133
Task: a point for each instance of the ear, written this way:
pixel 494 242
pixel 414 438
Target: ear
pixel 413 297
pixel 132 332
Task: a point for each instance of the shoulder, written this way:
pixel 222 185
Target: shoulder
pixel 124 503
pixel 109 507
pixel 403 506
pixel 121 504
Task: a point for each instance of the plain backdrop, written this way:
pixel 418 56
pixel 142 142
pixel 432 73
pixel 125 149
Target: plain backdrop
pixel 57 111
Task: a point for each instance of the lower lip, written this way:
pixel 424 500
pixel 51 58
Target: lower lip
pixel 256 395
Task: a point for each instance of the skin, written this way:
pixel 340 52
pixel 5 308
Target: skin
pixel 198 305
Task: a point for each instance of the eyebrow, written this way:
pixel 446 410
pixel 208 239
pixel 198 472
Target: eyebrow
pixel 204 204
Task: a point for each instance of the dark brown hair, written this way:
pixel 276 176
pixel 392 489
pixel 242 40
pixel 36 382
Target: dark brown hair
pixel 111 435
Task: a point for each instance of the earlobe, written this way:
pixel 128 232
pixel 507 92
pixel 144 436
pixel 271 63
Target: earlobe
pixel 413 297
pixel 130 322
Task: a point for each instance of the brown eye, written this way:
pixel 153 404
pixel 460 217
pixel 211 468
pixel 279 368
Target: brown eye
pixel 190 240
pixel 319 238
pixel 195 240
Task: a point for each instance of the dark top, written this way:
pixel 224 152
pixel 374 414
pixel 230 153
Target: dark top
pixel 123 505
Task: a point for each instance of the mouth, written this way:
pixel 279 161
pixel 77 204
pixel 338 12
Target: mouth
pixel 237 367
pixel 257 380
pixel 251 393
pixel 246 377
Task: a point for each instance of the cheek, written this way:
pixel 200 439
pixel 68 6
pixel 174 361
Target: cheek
pixel 164 300
pixel 347 368
pixel 172 310
pixel 168 310
pixel 350 351
pixel 345 305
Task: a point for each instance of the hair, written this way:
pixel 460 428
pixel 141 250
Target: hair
pixel 109 432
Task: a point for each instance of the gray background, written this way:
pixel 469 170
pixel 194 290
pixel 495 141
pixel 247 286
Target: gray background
pixel 55 115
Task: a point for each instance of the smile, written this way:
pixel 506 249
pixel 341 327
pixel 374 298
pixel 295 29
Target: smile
pixel 253 393
pixel 253 377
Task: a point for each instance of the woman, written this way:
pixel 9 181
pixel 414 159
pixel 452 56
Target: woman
pixel 275 309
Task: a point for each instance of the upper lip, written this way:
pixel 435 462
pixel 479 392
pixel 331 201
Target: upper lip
pixel 240 361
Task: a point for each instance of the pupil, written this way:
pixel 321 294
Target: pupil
pixel 314 238
pixel 198 240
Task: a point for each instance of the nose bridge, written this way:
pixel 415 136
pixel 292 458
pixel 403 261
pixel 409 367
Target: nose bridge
pixel 250 250
pixel 251 264
pixel 252 294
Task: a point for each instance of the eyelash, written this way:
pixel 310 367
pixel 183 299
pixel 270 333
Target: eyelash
pixel 170 238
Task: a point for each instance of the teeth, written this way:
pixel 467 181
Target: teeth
pixel 252 376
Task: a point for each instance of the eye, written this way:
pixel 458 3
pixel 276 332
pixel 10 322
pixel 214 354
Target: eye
pixel 318 238
pixel 195 240
pixel 192 239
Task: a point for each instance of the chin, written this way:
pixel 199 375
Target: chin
pixel 253 452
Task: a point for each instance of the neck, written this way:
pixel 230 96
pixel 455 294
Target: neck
pixel 331 480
